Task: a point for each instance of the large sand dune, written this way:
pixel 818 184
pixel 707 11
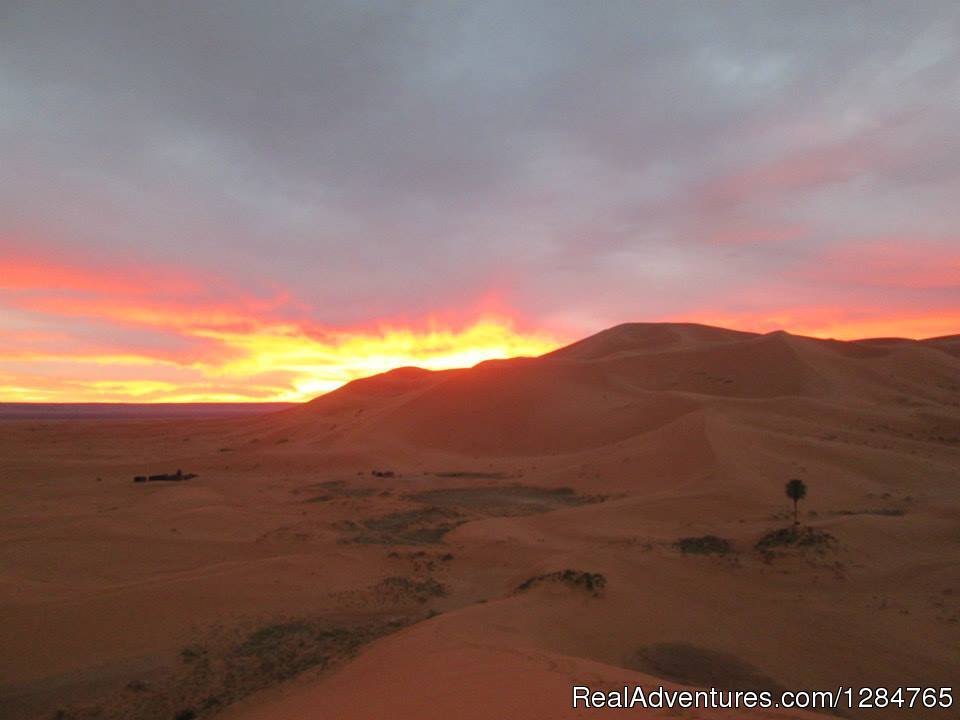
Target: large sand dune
pixel 398 548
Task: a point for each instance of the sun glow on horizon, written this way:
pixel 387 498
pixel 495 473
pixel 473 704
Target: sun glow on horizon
pixel 324 364
pixel 273 362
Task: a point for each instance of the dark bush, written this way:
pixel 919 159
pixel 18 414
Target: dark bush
pixel 704 545
pixel 795 537
pixel 591 582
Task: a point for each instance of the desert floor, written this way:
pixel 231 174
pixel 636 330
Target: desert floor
pixel 470 544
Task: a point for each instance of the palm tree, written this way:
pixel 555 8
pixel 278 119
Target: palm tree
pixel 796 491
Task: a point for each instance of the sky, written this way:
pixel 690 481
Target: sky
pixel 233 200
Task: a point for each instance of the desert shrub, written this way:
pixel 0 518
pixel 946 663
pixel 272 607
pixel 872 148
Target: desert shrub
pixel 227 667
pixel 425 526
pixel 398 588
pixel 192 652
pixel 483 475
pixel 268 638
pixel 887 512
pixel 795 537
pixel 593 583
pixel 704 545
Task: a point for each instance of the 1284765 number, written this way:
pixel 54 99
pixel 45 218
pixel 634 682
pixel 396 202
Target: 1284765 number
pixel 904 697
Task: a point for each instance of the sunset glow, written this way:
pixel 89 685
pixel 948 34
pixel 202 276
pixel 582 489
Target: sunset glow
pixel 269 363
pixel 80 331
pixel 73 332
pixel 318 365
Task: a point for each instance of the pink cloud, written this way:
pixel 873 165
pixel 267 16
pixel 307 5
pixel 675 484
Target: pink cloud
pixel 897 262
pixel 795 172
pixel 759 234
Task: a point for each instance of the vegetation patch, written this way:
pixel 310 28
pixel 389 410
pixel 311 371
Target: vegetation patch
pixel 269 638
pixel 337 489
pixel 704 545
pixel 473 475
pixel 504 501
pixel 796 537
pixel 192 653
pixel 594 583
pixel 409 527
pixel 443 510
pixel 398 588
pixel 228 667
pixel 887 512
pixel 178 476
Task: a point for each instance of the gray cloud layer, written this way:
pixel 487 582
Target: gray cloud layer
pixel 590 162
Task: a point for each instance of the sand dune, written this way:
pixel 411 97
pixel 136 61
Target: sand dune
pixel 290 580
